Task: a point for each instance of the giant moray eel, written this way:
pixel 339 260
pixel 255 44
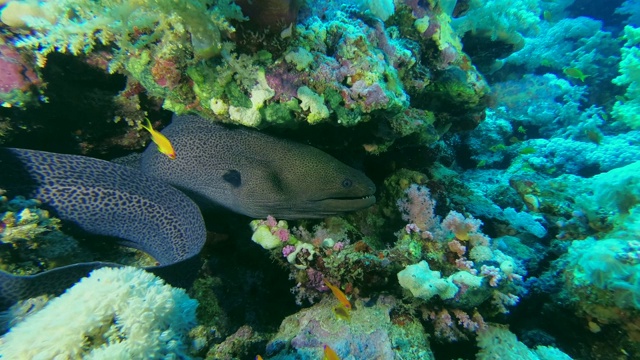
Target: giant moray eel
pixel 105 199
pixel 254 174
pixel 242 170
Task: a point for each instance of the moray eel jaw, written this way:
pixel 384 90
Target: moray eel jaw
pixel 335 206
pixel 339 199
pixel 313 209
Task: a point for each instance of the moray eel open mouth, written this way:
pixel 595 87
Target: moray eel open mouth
pixel 354 202
pixel 332 206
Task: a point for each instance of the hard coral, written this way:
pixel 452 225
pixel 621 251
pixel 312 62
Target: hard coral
pixel 305 332
pixel 114 313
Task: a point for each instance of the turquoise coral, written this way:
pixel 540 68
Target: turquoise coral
pixel 628 110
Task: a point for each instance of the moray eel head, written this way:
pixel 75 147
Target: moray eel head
pixel 255 174
pixel 304 183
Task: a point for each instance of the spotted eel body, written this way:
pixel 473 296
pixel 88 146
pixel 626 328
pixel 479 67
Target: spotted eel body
pixel 255 174
pixel 106 199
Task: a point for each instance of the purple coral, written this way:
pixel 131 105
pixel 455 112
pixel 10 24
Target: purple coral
pixel 493 273
pixel 15 74
pixel 462 227
pixel 285 83
pixel 374 96
pixel 288 249
pixel 316 280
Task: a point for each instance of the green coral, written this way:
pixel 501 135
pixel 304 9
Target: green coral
pixel 628 110
pixel 78 26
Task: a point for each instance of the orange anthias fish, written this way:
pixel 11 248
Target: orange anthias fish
pixel 164 145
pixel 339 294
pixel 329 354
pixel 342 312
pixel 575 73
pixel 258 357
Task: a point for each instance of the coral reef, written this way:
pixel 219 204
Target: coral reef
pixel 501 136
pixel 499 343
pixel 303 335
pixel 19 81
pixel 406 73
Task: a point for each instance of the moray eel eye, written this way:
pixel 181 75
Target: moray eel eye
pixel 233 177
pixel 347 183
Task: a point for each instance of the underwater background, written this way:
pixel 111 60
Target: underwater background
pixel 502 136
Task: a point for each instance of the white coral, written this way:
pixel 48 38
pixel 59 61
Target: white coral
pixel 115 313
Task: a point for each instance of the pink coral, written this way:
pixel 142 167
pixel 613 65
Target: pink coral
pixel 462 227
pixel 271 221
pixel 418 207
pixel 338 246
pixel 15 74
pixel 493 273
pixel 411 228
pixel 457 247
pixel 466 265
pixel 282 234
pixel 443 325
pixel 285 83
pixel 373 96
pixel 473 325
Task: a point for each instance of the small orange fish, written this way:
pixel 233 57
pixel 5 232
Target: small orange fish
pixel 339 294
pixel 258 357
pixel 164 145
pixel 330 354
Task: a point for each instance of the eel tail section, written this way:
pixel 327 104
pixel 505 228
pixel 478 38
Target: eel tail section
pixel 106 199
